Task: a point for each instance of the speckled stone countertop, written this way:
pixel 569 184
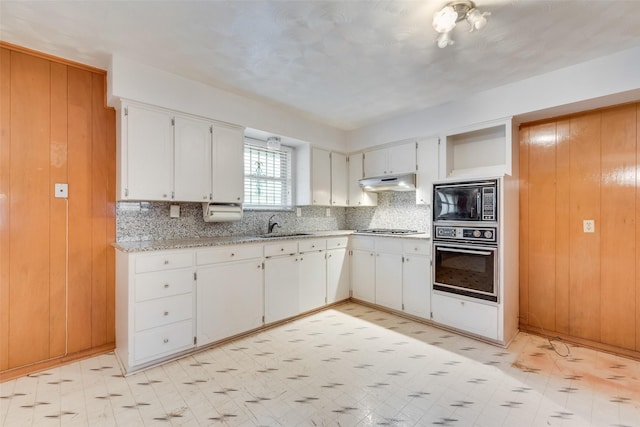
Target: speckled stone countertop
pixel 160 245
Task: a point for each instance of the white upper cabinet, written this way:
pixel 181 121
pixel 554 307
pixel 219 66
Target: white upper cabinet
pixel 175 157
pixel 227 177
pixel 192 159
pixel 320 179
pixel 394 160
pixel 146 154
pixel 358 197
pixel 427 160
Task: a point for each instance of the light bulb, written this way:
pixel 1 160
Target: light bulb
pixel 445 20
pixel 477 20
pixel 444 40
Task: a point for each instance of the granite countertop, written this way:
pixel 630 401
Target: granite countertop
pixel 159 245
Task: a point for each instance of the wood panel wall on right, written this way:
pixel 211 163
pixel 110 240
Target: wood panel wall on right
pixel 577 282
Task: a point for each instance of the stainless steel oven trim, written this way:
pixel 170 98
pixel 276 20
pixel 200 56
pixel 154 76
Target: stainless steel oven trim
pixel 470 248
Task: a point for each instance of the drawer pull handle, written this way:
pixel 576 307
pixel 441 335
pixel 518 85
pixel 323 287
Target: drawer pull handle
pixel 166 340
pixel 166 262
pixel 166 285
pixel 166 313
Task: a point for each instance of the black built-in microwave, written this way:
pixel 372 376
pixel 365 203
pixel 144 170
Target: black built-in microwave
pixel 466 201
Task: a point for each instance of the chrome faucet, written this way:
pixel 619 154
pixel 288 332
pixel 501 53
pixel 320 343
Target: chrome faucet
pixel 272 224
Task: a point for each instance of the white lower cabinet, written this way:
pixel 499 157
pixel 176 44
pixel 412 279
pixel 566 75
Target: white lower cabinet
pixel 154 306
pixel 416 279
pixel 363 269
pixel 389 273
pixel 337 270
pixel 312 276
pixel 474 317
pixel 281 294
pixel 229 292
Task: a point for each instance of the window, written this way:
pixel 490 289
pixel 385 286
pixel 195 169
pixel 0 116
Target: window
pixel 267 176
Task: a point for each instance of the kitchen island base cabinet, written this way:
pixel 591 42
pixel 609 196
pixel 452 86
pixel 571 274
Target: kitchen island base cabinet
pixel 229 300
pixel 466 315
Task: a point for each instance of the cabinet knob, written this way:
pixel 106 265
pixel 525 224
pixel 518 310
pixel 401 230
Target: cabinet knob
pixel 166 340
pixel 166 313
pixel 406 259
pixel 205 197
pixel 166 285
pixel 232 254
pixel 166 262
pixel 281 249
pixel 313 246
pixel 164 195
pixel 329 255
pixel 238 198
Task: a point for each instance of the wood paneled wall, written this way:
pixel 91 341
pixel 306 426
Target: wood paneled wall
pixel 56 262
pixel 575 284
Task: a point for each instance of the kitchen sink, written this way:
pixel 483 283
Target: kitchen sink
pixel 279 235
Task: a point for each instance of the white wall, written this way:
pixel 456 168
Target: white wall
pixel 604 81
pixel 143 83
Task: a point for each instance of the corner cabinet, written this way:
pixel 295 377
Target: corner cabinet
pixel 166 156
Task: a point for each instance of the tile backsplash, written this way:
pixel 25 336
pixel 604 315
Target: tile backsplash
pixel 138 221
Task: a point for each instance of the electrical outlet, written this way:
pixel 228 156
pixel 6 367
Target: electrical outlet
pixel 174 211
pixel 589 226
pixel 328 212
pixel 61 191
pixel 298 211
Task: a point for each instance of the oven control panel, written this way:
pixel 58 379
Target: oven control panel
pixel 477 234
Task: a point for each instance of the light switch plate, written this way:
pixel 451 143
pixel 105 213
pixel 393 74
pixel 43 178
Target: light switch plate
pixel 589 226
pixel 174 211
pixel 61 191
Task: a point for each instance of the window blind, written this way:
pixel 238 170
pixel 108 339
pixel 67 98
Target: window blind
pixel 267 176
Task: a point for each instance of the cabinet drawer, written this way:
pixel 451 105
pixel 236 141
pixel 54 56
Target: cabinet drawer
pixel 417 248
pixel 158 312
pixel 337 242
pixel 282 248
pixel 310 245
pixel 362 243
pixel 228 253
pixel 163 284
pixel 470 316
pixel 166 261
pixel 388 245
pixel 163 341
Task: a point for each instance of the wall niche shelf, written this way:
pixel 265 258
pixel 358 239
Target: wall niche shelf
pixel 484 149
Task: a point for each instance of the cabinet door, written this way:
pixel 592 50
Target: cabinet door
pixel 228 164
pixel 416 285
pixel 402 158
pixel 313 280
pixel 375 163
pixel 339 179
pixel 321 177
pixel 192 161
pixel 281 288
pixel 427 159
pixel 149 154
pixel 363 279
pixel 389 280
pixel 337 275
pixel 357 197
pixel 229 300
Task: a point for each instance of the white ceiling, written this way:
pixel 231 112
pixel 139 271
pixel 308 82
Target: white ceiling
pixel 346 63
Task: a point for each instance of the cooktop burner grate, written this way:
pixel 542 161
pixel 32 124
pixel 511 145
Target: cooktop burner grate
pixel 387 231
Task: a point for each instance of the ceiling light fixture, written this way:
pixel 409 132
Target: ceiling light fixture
pixel 445 20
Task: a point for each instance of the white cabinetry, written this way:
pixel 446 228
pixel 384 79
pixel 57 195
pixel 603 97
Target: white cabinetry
pixel 428 169
pixel 313 274
pixel 470 316
pixel 481 150
pixel 154 306
pixel 363 269
pixel 416 279
pixel 281 278
pixel 229 291
pixel 393 160
pixel 389 273
pixel 166 156
pixel 321 177
pixel 357 196
pixel 337 269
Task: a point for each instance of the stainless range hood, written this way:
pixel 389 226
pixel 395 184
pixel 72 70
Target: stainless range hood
pixel 406 182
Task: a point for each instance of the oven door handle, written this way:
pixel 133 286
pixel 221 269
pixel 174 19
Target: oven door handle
pixel 463 251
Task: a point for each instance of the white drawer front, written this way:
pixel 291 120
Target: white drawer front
pixel 168 261
pixel 337 242
pixel 228 253
pixel 365 243
pixel 158 312
pixel 311 245
pixel 163 284
pixel 388 244
pixel 417 248
pixel 474 317
pixel 281 248
pixel 163 341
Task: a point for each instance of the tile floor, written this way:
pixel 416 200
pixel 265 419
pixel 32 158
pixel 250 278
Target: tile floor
pixel 346 366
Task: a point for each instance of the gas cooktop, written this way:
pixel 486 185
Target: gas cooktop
pixel 387 231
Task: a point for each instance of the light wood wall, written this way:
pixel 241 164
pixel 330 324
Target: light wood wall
pixel 584 286
pixel 54 128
